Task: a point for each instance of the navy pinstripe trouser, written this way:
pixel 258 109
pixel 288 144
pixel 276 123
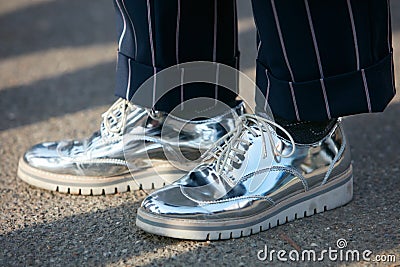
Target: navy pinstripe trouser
pixel 316 59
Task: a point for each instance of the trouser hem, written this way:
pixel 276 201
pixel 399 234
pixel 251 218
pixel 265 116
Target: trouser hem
pixel 131 75
pixel 364 91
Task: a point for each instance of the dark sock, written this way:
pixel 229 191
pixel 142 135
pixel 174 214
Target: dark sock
pixel 305 132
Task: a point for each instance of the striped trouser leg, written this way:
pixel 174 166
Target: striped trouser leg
pixel 324 59
pixel 157 34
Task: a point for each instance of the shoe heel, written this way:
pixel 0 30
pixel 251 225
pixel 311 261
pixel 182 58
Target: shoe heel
pixel 331 199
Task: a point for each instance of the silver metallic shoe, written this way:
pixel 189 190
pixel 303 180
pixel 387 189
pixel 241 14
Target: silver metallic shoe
pixel 256 180
pixel 127 153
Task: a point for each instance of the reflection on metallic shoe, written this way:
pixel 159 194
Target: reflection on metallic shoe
pixel 98 165
pixel 256 180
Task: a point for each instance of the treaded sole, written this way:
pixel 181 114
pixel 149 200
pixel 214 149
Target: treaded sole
pixel 334 194
pixel 90 185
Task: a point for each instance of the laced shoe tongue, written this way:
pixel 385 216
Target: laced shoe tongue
pixel 113 127
pixel 113 119
pixel 212 184
pixel 217 185
pixel 224 176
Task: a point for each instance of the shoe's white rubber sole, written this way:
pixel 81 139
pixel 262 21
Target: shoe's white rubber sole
pixel 97 185
pixel 334 194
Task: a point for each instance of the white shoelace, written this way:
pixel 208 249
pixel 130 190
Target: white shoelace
pixel 231 141
pixel 114 119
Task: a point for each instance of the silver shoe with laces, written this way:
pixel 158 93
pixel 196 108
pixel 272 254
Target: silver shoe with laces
pixel 127 153
pixel 252 180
